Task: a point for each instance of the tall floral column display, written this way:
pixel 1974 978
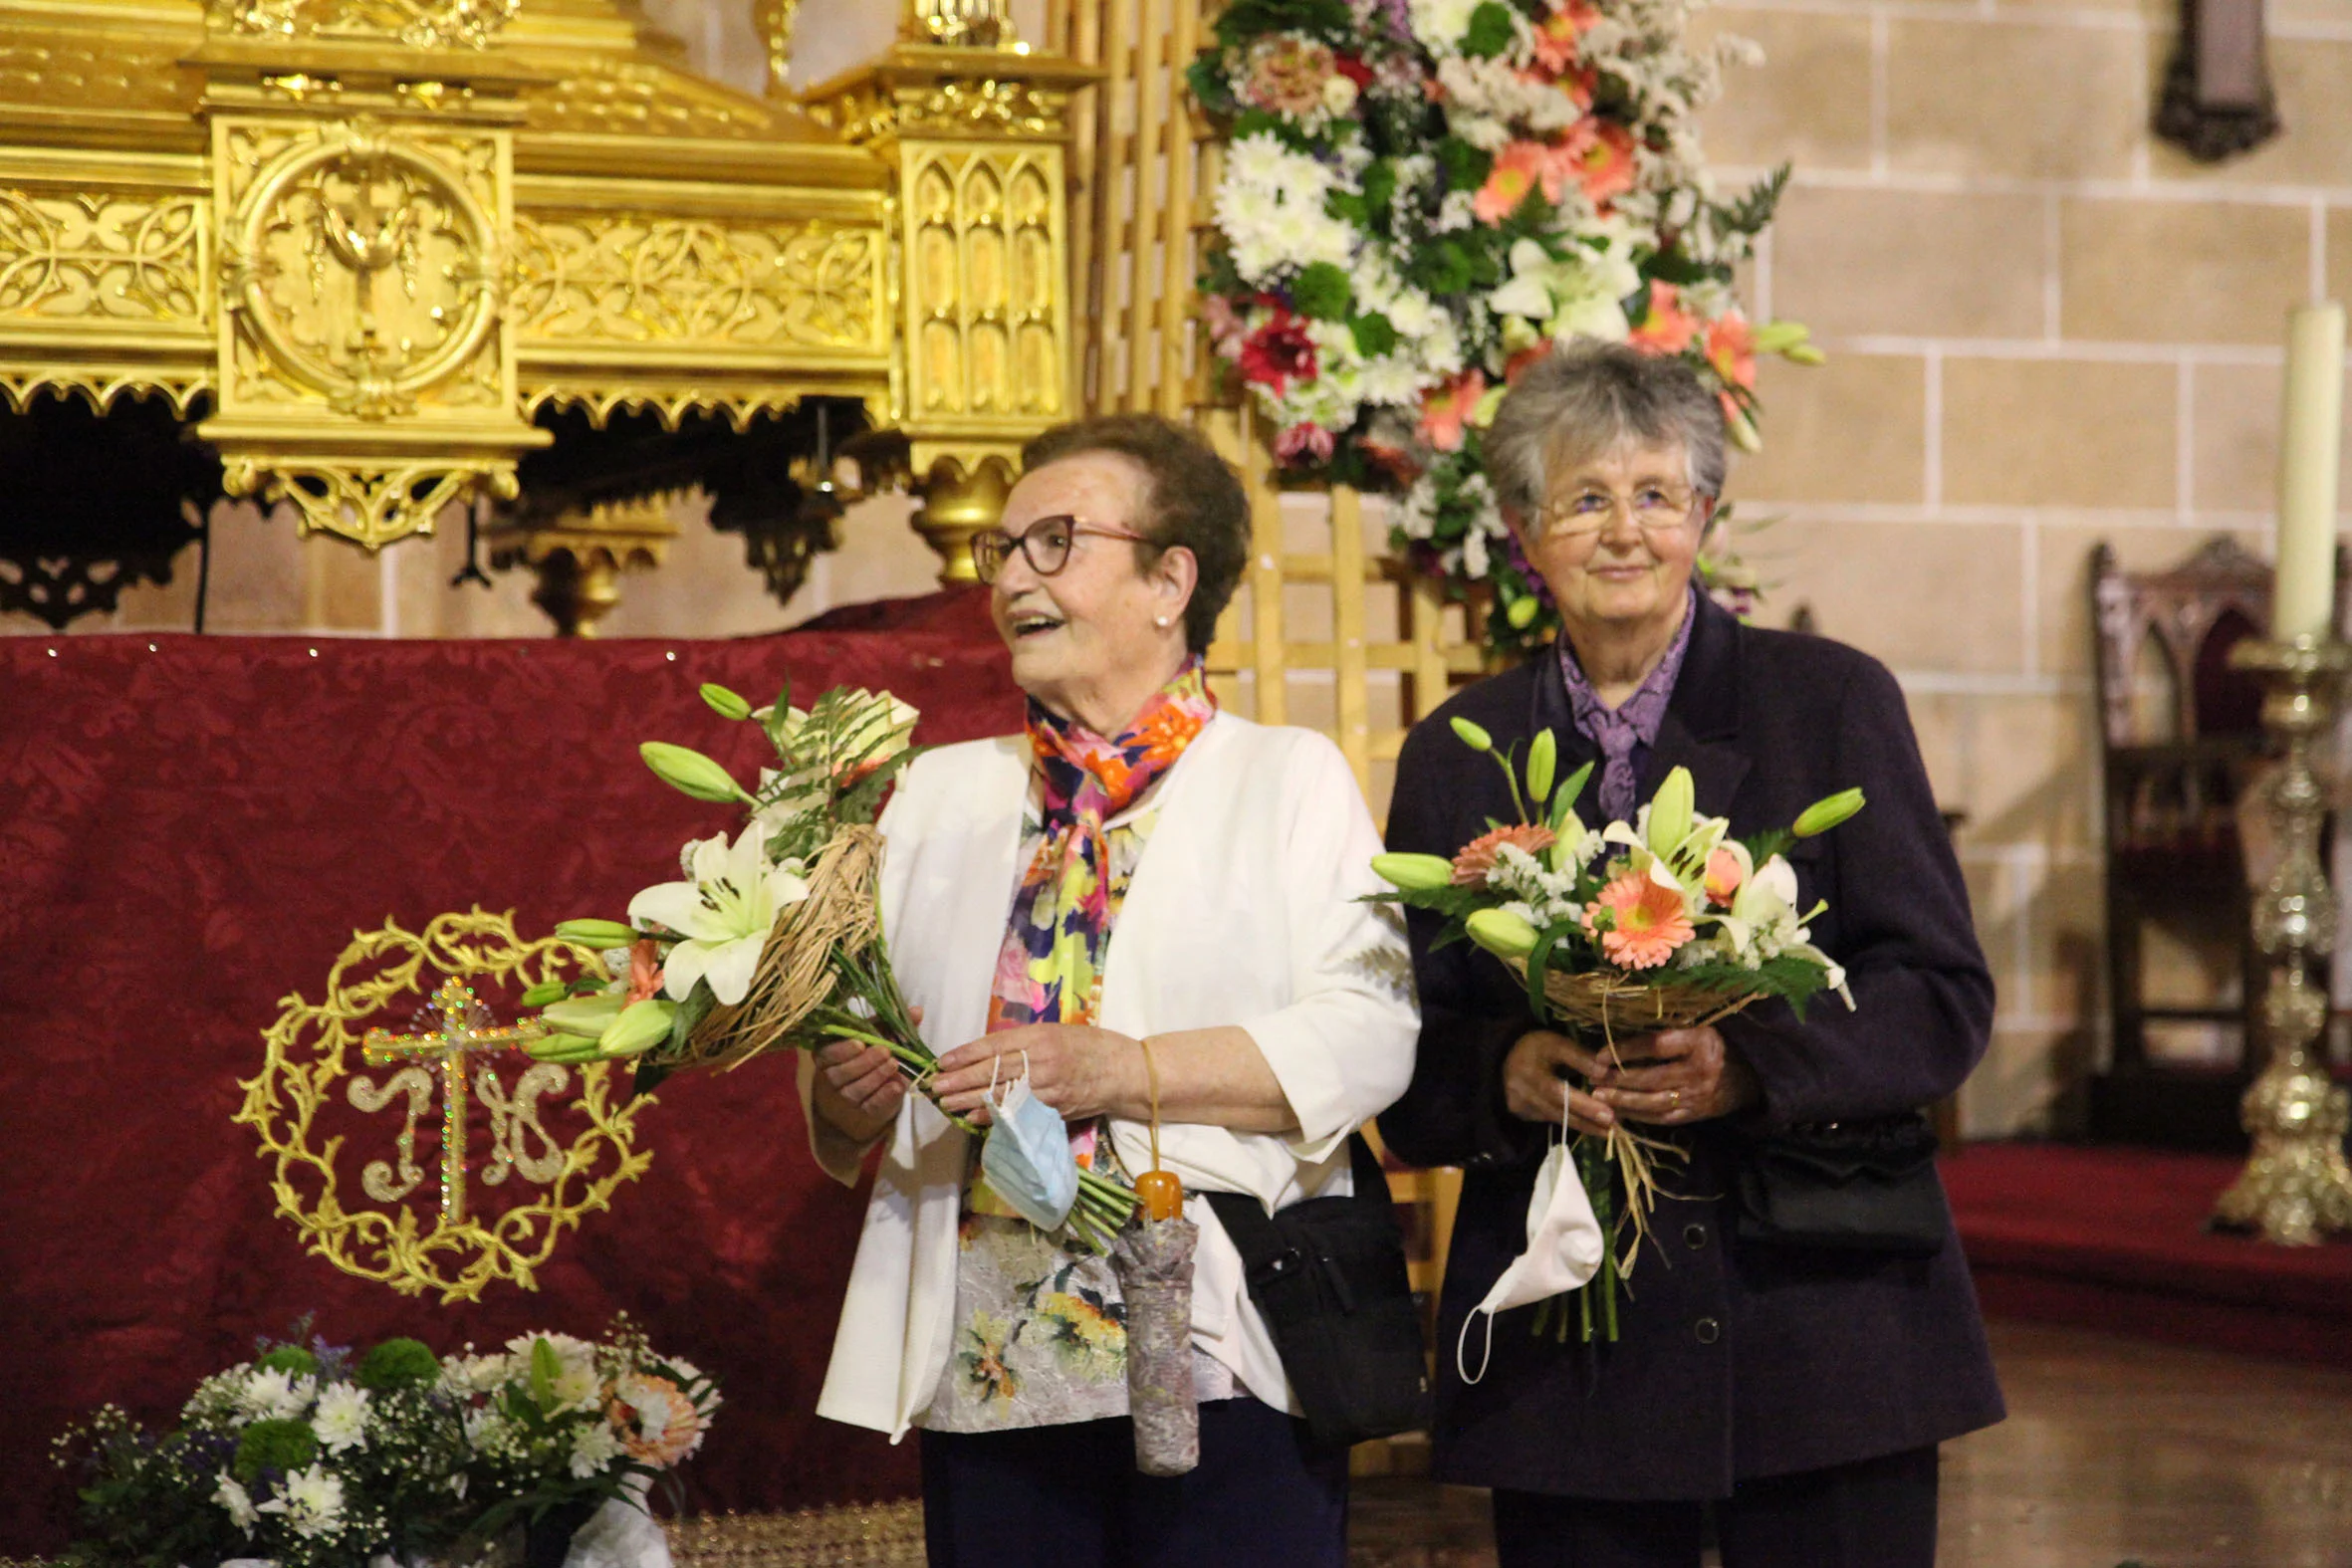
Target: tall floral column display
pixel 1420 198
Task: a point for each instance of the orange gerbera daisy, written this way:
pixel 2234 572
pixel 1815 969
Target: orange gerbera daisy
pixel 1478 857
pixel 1649 921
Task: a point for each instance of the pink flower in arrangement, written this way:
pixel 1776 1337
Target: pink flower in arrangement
pixel 1225 325
pixel 1648 921
pixel 1279 353
pixel 1445 410
pixel 1304 441
pixel 644 972
pixel 654 1420
pixel 1478 857
pixel 1667 328
pixel 1534 353
pixel 1731 348
pixel 1601 151
pixel 1724 876
pixel 1517 169
pixel 1557 33
pixel 1287 73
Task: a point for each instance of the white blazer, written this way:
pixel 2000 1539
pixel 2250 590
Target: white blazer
pixel 1242 911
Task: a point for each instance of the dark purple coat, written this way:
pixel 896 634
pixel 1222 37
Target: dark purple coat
pixel 1736 1359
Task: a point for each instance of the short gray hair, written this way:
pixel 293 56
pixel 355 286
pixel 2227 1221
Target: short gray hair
pixel 1589 398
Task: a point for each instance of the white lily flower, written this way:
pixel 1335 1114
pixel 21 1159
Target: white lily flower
pixel 725 911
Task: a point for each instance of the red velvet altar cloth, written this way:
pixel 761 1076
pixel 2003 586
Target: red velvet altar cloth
pixel 192 829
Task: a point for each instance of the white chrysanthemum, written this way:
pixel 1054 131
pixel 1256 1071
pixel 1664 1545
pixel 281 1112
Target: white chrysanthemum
pixel 1439 24
pixel 1474 552
pixel 472 1374
pixel 341 1420
pixel 593 1447
pixel 274 1394
pixel 1458 210
pixel 311 1500
pixel 238 1501
pixel 1395 381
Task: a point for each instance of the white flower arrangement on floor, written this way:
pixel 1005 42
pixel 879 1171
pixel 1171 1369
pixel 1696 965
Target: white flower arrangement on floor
pixel 309 1458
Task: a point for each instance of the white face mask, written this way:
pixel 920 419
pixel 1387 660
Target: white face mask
pixel 1026 1156
pixel 1564 1252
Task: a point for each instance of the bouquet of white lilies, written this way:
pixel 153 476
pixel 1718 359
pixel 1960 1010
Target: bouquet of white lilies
pixel 773 939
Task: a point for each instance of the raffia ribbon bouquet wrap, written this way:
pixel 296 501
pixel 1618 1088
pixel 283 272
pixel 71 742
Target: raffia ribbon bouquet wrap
pixel 1619 931
pixel 773 940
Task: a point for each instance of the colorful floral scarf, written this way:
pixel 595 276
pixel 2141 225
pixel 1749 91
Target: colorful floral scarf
pixel 1050 970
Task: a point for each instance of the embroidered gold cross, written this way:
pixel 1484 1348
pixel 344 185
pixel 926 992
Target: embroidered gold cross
pixel 461 1031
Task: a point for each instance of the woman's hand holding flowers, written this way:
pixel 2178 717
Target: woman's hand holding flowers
pixel 1533 1085
pixel 1677 1076
pixel 860 1088
pixel 1079 1070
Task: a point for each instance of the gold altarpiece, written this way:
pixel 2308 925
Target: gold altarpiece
pixel 361 244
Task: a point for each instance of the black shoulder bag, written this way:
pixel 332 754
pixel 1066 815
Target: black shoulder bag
pixel 1329 1277
pixel 1849 1187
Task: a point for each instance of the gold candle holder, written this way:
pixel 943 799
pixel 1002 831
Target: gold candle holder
pixel 2296 1186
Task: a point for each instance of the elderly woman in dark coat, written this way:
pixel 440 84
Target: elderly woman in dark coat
pixel 1796 1394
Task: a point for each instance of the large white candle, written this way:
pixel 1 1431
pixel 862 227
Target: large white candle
pixel 2304 603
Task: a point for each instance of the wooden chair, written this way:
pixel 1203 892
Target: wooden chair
pixel 2179 733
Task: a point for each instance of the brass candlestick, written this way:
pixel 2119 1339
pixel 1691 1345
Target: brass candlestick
pixel 2296 1186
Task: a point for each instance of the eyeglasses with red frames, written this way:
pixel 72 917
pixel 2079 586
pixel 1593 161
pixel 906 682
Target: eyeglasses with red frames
pixel 1044 543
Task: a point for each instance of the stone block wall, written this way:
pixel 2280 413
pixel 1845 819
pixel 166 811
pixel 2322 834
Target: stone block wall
pixel 2045 329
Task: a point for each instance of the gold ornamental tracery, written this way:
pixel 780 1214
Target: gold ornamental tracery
pixel 637 278
pixel 420 24
pixel 314 1056
pixel 132 256
pixel 365 270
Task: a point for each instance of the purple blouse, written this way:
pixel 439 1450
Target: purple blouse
pixel 1625 732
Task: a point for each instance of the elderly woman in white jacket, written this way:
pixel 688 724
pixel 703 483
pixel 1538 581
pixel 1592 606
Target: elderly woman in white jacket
pixel 1139 886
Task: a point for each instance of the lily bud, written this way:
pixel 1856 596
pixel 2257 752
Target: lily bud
pixel 590 1015
pixel 1670 812
pixel 640 1027
pixel 1414 873
pixel 1825 813
pixel 1520 614
pixel 1543 763
pixel 545 992
pixel 691 772
pixel 1502 933
pixel 1472 737
pixel 596 935
pixel 562 1048
pixel 724 703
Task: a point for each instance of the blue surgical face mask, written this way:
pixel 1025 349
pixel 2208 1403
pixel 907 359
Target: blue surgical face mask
pixel 1025 1157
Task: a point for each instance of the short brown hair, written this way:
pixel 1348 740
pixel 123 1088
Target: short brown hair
pixel 1191 498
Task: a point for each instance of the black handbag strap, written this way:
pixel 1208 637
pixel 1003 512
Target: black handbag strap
pixel 1265 1254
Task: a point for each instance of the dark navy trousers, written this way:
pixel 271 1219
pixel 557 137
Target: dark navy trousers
pixel 1265 1495
pixel 1878 1513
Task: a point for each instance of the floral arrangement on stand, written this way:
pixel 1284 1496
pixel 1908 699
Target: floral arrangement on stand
pixel 773 940
pixel 1419 198
pixel 1624 929
pixel 312 1458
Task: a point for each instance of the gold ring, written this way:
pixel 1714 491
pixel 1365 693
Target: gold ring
pixel 1674 1098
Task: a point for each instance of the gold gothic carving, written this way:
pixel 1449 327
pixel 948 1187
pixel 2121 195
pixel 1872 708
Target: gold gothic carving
pixel 128 257
pixel 635 278
pixel 981 285
pixel 363 268
pixel 420 24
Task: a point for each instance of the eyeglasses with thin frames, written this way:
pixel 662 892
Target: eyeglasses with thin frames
pixel 1654 509
pixel 1046 544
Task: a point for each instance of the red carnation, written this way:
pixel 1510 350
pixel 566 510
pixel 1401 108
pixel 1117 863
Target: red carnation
pixel 1279 353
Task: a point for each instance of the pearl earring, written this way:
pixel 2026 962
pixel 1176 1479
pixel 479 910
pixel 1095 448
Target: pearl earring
pixel 1160 621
